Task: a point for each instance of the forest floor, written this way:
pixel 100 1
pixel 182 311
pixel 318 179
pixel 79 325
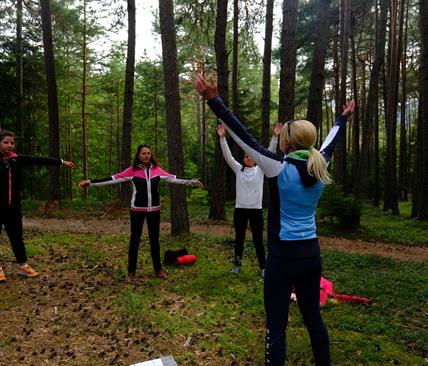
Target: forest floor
pixel 69 315
pixel 121 226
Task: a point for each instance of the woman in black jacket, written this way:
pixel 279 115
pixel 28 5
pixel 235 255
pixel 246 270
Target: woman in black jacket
pixel 10 197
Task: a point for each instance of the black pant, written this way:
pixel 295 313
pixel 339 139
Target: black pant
pixel 280 277
pixel 241 216
pixel 11 218
pixel 153 225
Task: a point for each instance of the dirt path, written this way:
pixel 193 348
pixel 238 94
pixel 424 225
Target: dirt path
pixel 116 226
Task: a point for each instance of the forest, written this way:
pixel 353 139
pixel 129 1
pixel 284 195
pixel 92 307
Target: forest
pixel 72 89
pixel 98 104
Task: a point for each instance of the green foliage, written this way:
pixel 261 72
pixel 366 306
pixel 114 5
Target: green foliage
pixel 335 204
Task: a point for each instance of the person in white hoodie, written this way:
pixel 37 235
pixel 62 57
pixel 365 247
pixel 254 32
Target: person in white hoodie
pixel 249 195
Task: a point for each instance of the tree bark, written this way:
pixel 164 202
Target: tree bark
pixel 288 60
pixel 402 170
pixel 54 188
pixel 368 121
pixel 340 168
pixel 125 191
pixel 19 72
pixel 179 215
pixel 420 171
pixel 84 93
pixel 218 192
pixel 267 60
pixel 390 201
pixel 316 85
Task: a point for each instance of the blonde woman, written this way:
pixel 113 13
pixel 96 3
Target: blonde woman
pixel 296 181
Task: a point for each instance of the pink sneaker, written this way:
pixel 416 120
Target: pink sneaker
pixel 161 274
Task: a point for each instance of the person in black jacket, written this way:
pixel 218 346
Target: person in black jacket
pixel 10 199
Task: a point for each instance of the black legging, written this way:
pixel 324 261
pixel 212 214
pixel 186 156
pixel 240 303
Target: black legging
pixel 11 218
pixel 241 216
pixel 304 274
pixel 153 224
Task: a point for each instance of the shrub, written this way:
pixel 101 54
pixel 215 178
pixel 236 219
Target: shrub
pixel 337 205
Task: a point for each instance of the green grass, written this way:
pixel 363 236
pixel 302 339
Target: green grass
pixel 377 225
pixel 222 314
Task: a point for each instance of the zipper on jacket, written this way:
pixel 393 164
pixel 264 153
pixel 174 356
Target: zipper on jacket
pixel 149 188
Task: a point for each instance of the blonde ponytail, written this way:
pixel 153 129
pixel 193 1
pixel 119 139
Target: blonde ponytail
pixel 302 135
pixel 317 166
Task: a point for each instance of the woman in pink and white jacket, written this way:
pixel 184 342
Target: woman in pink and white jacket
pixel 145 175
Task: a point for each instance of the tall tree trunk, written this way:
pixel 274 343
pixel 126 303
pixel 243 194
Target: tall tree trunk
pixel 218 192
pixel 125 192
pixel 19 72
pixel 402 172
pixel 356 119
pixel 266 93
pixel 230 177
pixel 368 121
pixel 420 170
pixel 54 188
pixel 321 40
pixel 179 216
pixel 267 60
pixel 288 60
pixel 340 173
pixel 84 93
pixel 390 201
pixel 376 172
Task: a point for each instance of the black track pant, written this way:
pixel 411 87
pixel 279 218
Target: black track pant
pixel 153 225
pixel 11 218
pixel 304 274
pixel 241 217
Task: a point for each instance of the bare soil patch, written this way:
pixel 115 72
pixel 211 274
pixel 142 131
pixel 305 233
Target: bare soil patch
pixel 121 226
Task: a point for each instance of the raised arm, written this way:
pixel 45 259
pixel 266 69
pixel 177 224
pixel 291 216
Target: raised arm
pixel 269 162
pixel 333 136
pixel 275 134
pixel 227 154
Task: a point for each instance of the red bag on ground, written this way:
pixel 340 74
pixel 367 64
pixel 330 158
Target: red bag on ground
pixel 327 290
pixel 185 259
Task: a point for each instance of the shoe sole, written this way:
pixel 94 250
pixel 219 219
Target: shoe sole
pixel 26 275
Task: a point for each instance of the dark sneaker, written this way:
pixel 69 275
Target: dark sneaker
pixel 161 274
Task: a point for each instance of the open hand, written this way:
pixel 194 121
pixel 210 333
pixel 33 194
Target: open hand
pixel 198 183
pixel 206 88
pixel 348 108
pixel 84 184
pixel 277 129
pixel 221 131
pixel 69 164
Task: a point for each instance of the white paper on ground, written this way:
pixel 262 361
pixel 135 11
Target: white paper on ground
pixel 164 361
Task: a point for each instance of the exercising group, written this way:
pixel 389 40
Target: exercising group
pixel 296 179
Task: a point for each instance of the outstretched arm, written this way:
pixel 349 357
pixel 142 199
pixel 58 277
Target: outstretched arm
pixel 46 161
pixel 123 176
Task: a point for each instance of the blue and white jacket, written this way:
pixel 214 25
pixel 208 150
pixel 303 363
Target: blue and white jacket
pixel 294 194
